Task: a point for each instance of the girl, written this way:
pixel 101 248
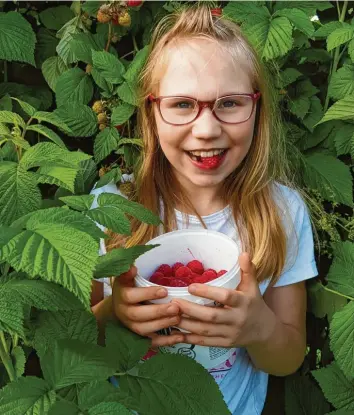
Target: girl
pixel 213 157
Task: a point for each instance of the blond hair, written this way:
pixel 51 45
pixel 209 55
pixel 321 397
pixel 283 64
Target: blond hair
pixel 249 190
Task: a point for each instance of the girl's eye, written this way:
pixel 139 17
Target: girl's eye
pixel 228 104
pixel 183 105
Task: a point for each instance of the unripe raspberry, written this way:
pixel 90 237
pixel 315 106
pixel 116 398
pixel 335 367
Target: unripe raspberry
pixel 98 107
pixel 102 171
pixel 115 38
pixel 125 19
pixel 101 127
pixel 88 68
pixel 126 188
pixel 102 118
pixel 103 17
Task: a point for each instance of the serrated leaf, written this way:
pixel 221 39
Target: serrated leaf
pixel 6 103
pixel 340 110
pixel 314 114
pixel 299 106
pixel 342 82
pixel 324 303
pixel 11 317
pixel 80 118
pixel 66 35
pixel 17 39
pixel 315 55
pixel 134 141
pixel 117 261
pixel 64 407
pixel 127 93
pixel 279 38
pixel 19 360
pixel 309 7
pixel 111 217
pixel 105 142
pixel 80 203
pixel 91 7
pixel 330 177
pixel 53 119
pixel 337 389
pixel 239 11
pixel 96 392
pixel 137 64
pixel 107 87
pixel 340 274
pixel 299 19
pixel 351 49
pixel 58 175
pixel 82 45
pixel 47 132
pixel 109 65
pixel 52 68
pixel 326 29
pixel 46 45
pixel 27 395
pixel 113 175
pixel 132 208
pixel 288 76
pixel 344 138
pixel 73 86
pixel 8 117
pixel 52 326
pixel 19 193
pixel 303 397
pixel 18 141
pixel 163 391
pixel 69 362
pixel 340 36
pixel 109 408
pixel 55 17
pixel 27 108
pixel 121 114
pixel 342 339
pixel 85 176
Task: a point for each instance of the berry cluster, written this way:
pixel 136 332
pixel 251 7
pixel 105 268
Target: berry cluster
pixel 180 275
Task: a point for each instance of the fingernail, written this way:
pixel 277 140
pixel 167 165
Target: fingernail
pixel 179 339
pixel 192 288
pixel 172 309
pixel 162 292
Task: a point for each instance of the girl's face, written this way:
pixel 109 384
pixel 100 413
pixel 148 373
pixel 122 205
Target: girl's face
pixel 201 70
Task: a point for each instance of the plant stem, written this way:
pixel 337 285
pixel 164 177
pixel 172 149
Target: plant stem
pixel 337 293
pixel 5 358
pixel 336 58
pixel 5 72
pixel 109 36
pixel 135 44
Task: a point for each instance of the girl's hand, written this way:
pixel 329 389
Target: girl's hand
pixel 245 318
pixel 144 320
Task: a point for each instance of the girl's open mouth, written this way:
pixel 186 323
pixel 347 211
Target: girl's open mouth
pixel 209 162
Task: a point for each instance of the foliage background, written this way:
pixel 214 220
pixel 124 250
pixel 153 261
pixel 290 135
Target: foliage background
pixel 61 60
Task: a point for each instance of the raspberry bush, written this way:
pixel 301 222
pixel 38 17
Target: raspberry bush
pixel 67 120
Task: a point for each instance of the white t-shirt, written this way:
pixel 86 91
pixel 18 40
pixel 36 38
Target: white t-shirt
pixel 243 386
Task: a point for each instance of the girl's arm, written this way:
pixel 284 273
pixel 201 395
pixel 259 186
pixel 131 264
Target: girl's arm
pixel 282 350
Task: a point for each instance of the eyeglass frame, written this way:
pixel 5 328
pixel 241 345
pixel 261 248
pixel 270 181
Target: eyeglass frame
pixel 205 104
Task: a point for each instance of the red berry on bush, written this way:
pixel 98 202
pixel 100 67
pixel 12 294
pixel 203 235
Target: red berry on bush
pixel 165 269
pixel 196 266
pixel 182 272
pixel 134 3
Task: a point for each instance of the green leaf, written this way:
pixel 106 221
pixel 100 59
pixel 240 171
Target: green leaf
pixel 80 118
pixel 109 65
pixel 107 87
pixel 117 261
pixel 105 142
pixel 337 389
pixel 324 303
pixel 11 317
pixel 53 119
pixel 132 208
pixel 109 408
pixel 163 391
pixel 46 46
pixel 91 7
pixel 344 138
pixel 288 76
pixel 240 11
pixel 28 395
pixel 75 86
pixel 303 397
pixel 315 55
pixel 85 177
pixel 299 106
pixel 299 19
pixel 27 108
pixel 19 193
pixel 351 49
pixel 134 141
pixel 8 117
pixel 96 392
pixel 136 65
pixel 69 362
pixel 64 407
pixel 6 103
pixel 121 114
pixel 80 203
pixel 52 326
pixel 52 68
pixel 47 132
pixel 17 39
pixel 111 217
pixel 82 45
pixel 113 175
pixel 326 29
pixel 340 110
pixel 330 177
pixel 18 360
pixel 314 114
pixel 309 7
pixel 55 17
pixel 340 274
pixel 342 339
pixel 127 93
pixel 342 82
pixel 340 36
pixel 66 34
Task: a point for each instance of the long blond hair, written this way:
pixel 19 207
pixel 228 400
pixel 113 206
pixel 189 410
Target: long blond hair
pixel 249 190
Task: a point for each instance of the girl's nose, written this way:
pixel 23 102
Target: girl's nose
pixel 206 125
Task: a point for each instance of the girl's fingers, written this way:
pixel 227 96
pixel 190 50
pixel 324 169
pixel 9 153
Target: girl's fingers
pixel 134 295
pixel 151 312
pixel 170 340
pixel 148 327
pixel 224 296
pixel 204 329
pixel 199 340
pixel 213 315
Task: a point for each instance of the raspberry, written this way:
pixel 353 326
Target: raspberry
pixel 165 269
pixel 88 68
pixel 165 281
pixel 210 275
pixel 200 279
pixel 101 127
pixel 176 266
pixel 196 266
pixel 182 272
pixel 178 283
pixel 187 280
pixel 102 118
pixel 211 270
pixel 103 17
pixel 134 3
pixel 98 107
pixel 124 19
pixel 222 272
pixel 193 276
pixel 126 188
pixel 156 277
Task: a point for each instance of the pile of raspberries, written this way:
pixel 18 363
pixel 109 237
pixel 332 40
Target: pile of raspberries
pixel 180 275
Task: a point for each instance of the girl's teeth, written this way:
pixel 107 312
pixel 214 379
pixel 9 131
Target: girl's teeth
pixel 206 153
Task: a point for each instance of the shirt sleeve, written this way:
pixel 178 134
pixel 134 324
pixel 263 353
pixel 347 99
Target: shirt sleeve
pixel 300 261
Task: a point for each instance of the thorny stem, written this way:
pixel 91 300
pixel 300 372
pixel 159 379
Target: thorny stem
pixel 338 293
pixel 5 358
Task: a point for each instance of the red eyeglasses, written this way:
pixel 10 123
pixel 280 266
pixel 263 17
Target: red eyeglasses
pixel 228 109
